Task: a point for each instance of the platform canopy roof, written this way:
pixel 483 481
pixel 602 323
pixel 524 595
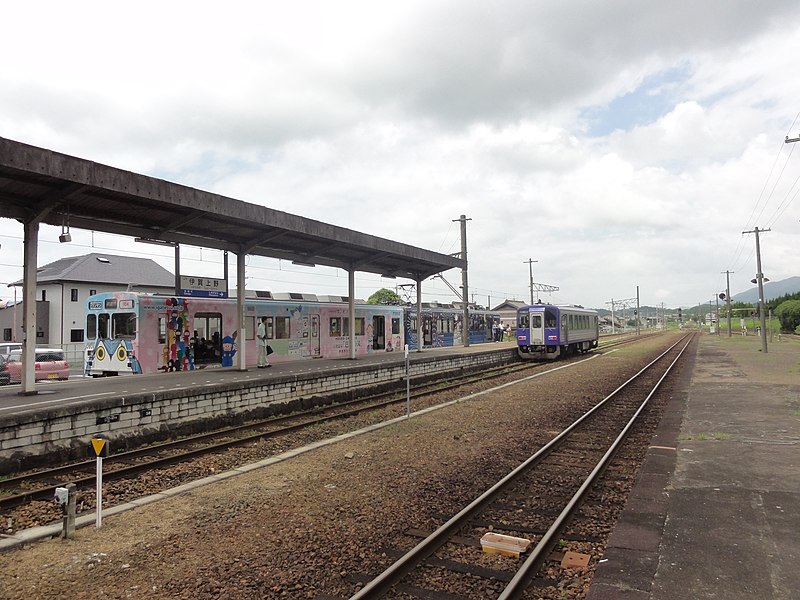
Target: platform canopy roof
pixel 36 183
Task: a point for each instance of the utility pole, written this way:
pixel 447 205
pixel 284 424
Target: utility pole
pixel 638 310
pixel 760 280
pixel 728 298
pixel 613 326
pixel 465 292
pixel 530 262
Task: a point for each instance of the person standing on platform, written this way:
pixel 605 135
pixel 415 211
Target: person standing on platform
pixel 262 344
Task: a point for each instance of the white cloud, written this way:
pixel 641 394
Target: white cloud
pixel 396 119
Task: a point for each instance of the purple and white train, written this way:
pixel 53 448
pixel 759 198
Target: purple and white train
pixel 545 331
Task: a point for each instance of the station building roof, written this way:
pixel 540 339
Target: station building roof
pixel 36 183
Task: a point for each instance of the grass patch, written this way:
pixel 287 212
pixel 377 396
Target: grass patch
pixel 703 436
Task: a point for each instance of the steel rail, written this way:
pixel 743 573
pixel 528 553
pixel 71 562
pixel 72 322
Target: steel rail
pixel 46 492
pixel 518 584
pixel 381 584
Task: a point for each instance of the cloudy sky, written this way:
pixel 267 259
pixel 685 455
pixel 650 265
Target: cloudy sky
pixel 618 143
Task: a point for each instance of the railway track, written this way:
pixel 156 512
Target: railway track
pixel 38 487
pixel 448 564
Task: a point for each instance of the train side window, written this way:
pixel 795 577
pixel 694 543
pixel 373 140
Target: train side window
pixel 91 327
pixel 282 328
pixel 123 325
pixel 550 319
pixel 523 321
pixel 360 326
pixel 102 326
pixel 249 328
pixel 270 326
pixel 395 325
pixel 162 330
pixel 336 327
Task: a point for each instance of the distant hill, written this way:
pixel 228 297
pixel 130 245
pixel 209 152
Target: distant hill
pixel 772 289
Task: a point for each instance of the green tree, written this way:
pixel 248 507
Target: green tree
pixel 384 296
pixel 788 314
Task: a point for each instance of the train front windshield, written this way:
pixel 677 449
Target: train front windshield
pixel 112 326
pixel 528 320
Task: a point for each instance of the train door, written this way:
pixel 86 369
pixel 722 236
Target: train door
pixel 313 348
pixel 536 329
pixel 208 336
pixel 378 332
pixel 427 331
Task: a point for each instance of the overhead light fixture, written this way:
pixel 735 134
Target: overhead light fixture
pixel 303 263
pixel 65 236
pixel 155 242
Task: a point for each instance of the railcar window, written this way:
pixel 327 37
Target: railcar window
pixel 123 325
pixel 91 327
pixel 336 327
pixel 537 321
pixel 477 322
pixel 269 326
pixel 523 320
pixel 282 328
pixel 162 330
pixel 249 328
pixel 103 320
pixel 550 319
pixel 395 325
pixel 360 326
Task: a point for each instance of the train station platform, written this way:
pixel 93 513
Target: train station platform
pixel 716 506
pixel 80 388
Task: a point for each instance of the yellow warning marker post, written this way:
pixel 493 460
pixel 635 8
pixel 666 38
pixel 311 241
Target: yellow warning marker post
pixel 100 447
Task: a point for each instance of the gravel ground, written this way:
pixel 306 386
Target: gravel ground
pixel 301 528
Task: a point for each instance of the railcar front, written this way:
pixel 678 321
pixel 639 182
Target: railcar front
pixel 537 332
pixel 546 331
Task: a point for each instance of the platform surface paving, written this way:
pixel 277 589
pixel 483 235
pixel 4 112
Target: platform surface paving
pixel 715 512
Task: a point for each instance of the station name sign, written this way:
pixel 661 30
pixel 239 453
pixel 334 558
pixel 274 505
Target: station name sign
pixel 204 287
